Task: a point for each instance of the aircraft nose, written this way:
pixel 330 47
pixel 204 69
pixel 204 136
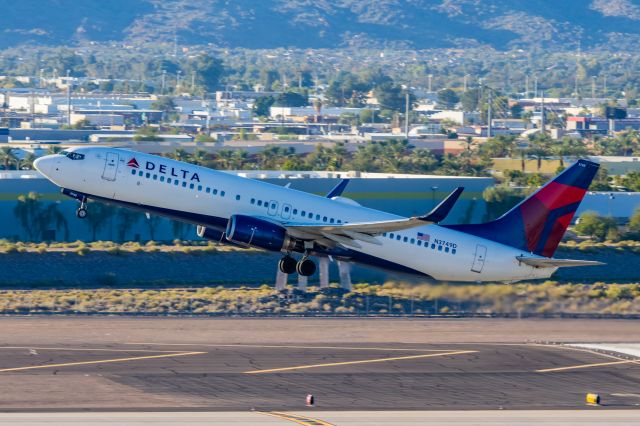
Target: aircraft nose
pixel 43 165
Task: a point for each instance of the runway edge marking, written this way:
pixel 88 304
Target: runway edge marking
pixel 296 418
pixel 365 361
pixel 103 361
pixel 581 366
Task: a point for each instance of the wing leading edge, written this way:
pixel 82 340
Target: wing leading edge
pixel 346 233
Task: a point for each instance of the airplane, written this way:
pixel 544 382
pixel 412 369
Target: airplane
pixel 245 212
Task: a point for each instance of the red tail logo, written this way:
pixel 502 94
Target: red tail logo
pixel 133 163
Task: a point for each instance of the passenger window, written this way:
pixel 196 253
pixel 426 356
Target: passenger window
pixel 391 236
pixel 238 197
pixel 446 249
pixel 176 182
pixel 222 193
pixel 324 219
pixel 133 171
pixel 191 186
pixel 253 201
pixel 148 175
pixel 453 251
pixel 208 190
pixel 295 211
pixel 317 217
pixel 168 180
pixel 405 239
pixel 140 173
pixel 398 237
pixel 339 221
pixel 273 205
pixel 215 191
pixel 184 184
pixel 303 213
pixel 433 246
pixel 161 178
pixel 259 202
pixel 332 220
pixel 413 241
pixel 439 248
pixel 286 209
pixel 155 177
pixel 199 187
pixel 310 215
pixel 419 243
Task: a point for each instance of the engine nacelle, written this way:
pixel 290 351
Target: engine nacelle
pixel 250 231
pixel 209 234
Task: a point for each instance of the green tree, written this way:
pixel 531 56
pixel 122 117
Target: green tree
pixel 36 218
pixel 447 98
pixel 291 99
pixel 391 97
pixel 99 217
pixel 7 156
pixel 208 70
pixel 595 226
pixel 125 220
pixel 262 106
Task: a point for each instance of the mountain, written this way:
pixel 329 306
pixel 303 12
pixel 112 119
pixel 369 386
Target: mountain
pixel 417 24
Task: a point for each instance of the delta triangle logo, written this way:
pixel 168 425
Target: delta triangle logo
pixel 133 163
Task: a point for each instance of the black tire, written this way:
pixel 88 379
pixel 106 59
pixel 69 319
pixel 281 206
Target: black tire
pixel 287 265
pixel 306 267
pixel 81 213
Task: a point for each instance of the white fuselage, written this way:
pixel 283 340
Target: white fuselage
pixel 442 253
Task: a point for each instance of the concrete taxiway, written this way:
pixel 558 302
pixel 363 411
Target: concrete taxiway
pixel 251 370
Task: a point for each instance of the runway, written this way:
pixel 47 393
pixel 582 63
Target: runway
pixel 70 366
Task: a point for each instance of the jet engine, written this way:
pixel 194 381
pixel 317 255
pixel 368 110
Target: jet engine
pixel 254 232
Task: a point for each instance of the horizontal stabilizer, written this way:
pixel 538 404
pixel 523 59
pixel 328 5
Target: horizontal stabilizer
pixel 538 262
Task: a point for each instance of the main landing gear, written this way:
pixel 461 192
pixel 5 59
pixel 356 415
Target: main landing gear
pixel 305 266
pixel 81 213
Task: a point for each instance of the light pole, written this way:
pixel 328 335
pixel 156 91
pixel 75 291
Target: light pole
pixel 433 196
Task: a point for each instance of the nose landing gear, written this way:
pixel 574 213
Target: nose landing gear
pixel 81 213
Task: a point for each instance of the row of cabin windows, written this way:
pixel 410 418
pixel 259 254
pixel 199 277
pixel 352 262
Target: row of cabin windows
pixel 295 211
pixel 419 243
pixel 176 182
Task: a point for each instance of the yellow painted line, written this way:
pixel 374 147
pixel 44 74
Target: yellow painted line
pixel 88 349
pixel 577 367
pixel 103 361
pixel 365 361
pixel 351 348
pixel 296 418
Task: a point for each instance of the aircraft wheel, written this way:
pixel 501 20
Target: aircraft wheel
pixel 306 267
pixel 287 265
pixel 81 213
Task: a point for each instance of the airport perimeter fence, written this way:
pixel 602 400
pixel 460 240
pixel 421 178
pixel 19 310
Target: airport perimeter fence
pixel 60 303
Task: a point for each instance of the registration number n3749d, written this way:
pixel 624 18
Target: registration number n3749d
pixel 445 243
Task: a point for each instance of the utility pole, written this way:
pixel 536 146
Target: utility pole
pixel 542 115
pixel 489 113
pixel 535 87
pixel 68 98
pixel 406 116
pixel 430 81
pixel 593 86
pixel 526 86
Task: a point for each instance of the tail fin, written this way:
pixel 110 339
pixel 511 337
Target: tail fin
pixel 537 224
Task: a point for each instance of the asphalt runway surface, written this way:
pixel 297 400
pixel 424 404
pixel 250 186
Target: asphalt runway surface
pixel 131 364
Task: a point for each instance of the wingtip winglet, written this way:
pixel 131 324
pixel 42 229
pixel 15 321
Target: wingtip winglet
pixel 442 210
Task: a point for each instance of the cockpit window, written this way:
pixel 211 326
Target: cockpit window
pixel 75 156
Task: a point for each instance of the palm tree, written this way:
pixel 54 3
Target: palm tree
pixel 7 156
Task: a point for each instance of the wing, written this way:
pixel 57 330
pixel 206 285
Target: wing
pixel 538 262
pixel 347 233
